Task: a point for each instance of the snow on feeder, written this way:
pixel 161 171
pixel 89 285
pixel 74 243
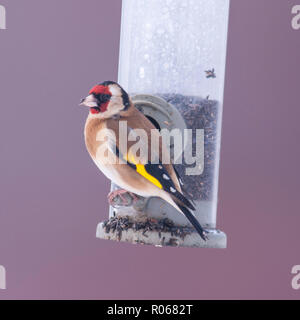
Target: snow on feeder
pixel 172 63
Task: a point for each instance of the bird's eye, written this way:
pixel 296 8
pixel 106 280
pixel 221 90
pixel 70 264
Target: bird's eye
pixel 102 98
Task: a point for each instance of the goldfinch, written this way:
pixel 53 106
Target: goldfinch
pixel 109 104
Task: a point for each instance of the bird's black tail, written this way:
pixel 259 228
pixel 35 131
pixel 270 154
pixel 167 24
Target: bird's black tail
pixel 193 221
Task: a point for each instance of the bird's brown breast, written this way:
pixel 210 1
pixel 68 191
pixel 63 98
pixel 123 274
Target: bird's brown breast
pixel 92 127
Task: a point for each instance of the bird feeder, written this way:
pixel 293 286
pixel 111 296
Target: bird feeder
pixel 172 63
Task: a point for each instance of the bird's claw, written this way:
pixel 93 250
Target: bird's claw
pixel 124 200
pixel 204 235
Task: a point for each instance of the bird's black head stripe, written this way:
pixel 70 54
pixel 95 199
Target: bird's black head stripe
pixel 107 83
pixel 125 98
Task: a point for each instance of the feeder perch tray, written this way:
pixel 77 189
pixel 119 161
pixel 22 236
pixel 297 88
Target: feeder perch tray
pixel 160 233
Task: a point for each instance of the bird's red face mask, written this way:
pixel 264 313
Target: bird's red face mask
pixel 98 99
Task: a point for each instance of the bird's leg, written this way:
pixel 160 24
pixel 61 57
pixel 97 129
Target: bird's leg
pixel 113 194
pixel 124 200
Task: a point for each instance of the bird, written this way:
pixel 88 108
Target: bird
pixel 210 73
pixel 109 104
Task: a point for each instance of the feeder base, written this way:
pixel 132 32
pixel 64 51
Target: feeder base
pixel 182 237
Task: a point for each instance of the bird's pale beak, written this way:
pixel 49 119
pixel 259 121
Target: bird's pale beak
pixel 90 101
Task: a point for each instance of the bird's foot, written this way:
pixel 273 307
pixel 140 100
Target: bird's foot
pixel 122 197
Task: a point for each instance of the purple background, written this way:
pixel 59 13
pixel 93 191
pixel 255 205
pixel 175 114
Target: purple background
pixel 53 196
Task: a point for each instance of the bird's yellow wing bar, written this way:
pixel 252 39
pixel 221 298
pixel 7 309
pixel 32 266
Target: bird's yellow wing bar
pixel 140 168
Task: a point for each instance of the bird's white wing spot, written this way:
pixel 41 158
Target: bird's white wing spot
pixel 166 177
pixel 173 190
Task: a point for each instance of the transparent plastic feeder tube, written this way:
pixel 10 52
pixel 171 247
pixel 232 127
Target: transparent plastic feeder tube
pixel 172 62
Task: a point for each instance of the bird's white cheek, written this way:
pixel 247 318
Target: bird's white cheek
pixel 114 107
pixel 115 104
